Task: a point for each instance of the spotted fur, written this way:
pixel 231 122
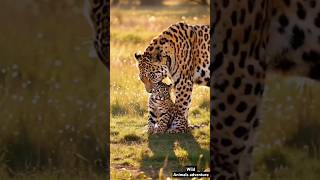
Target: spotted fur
pixel 181 52
pixel 252 38
pixel 97 13
pixel 150 73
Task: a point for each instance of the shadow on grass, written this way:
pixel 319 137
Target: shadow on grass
pixel 273 160
pixel 118 110
pixel 307 137
pixel 172 152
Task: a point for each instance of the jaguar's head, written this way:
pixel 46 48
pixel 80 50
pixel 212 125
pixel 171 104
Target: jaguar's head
pixel 150 72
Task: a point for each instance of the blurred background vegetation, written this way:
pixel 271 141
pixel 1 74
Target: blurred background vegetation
pixel 134 154
pixel 288 146
pixel 53 93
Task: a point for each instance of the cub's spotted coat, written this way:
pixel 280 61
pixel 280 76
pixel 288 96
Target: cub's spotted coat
pixel 164 116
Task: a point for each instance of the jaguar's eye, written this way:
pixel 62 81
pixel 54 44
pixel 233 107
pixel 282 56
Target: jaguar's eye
pixel 152 75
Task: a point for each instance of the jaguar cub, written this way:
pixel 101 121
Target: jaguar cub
pixel 164 116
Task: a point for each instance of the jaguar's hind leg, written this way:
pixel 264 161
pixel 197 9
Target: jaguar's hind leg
pixel 162 125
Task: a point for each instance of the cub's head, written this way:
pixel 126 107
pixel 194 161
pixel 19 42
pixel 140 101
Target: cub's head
pixel 161 91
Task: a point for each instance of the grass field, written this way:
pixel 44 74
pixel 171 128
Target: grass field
pixel 134 154
pixel 288 146
pixel 53 91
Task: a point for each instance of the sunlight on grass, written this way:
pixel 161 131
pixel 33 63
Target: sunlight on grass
pixel 181 154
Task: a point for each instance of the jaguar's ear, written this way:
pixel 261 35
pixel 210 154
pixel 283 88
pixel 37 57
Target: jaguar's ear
pixel 138 56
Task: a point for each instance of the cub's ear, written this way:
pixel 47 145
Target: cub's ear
pixel 137 55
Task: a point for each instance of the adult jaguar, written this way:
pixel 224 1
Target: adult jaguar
pixel 181 52
pixel 253 36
